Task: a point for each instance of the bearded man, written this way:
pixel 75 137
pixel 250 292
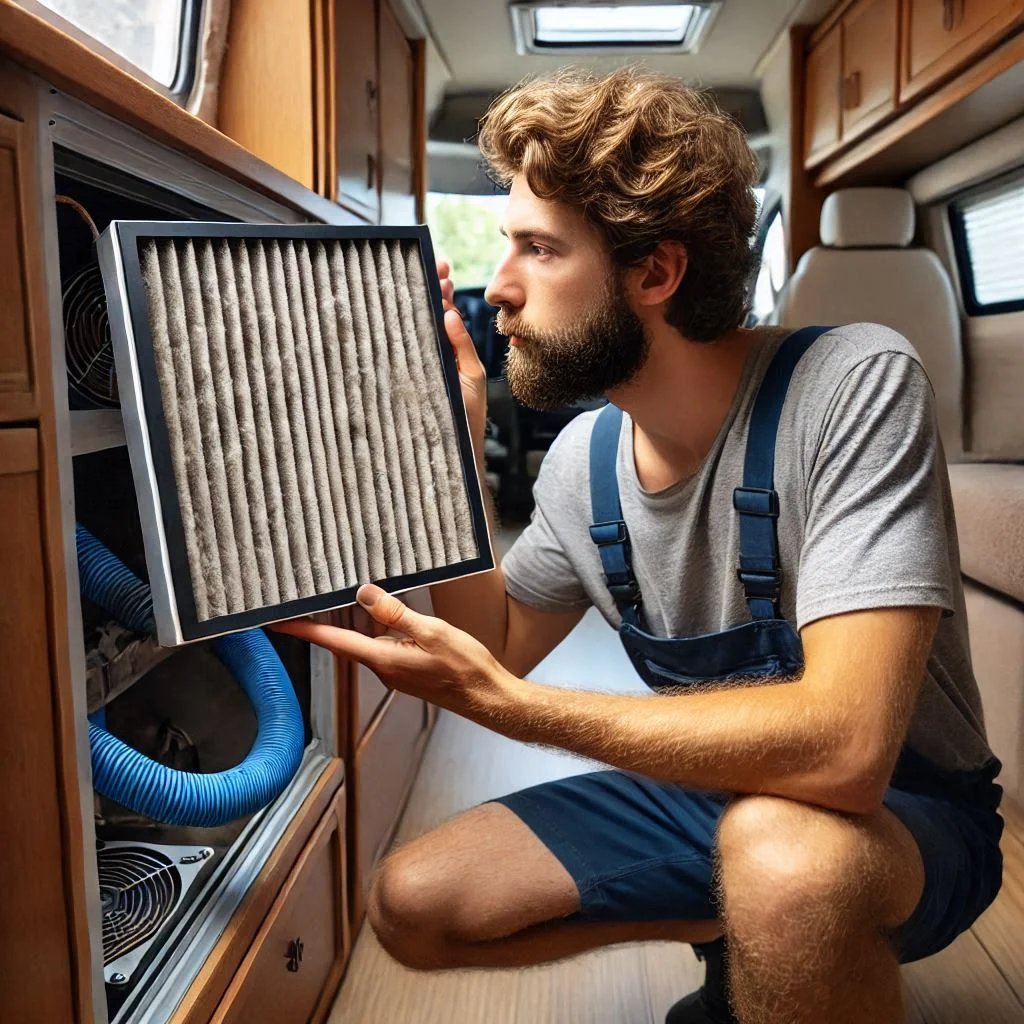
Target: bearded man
pixel 807 795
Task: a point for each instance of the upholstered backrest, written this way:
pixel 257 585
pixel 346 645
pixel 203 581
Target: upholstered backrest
pixel 865 271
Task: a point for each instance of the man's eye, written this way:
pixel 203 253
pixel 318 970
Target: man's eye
pixel 540 250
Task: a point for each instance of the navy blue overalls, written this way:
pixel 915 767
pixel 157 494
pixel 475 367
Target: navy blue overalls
pixel 640 849
pixel 767 645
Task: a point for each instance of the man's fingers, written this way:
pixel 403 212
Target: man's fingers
pixel 389 611
pixel 341 641
pixel 465 351
pixel 443 268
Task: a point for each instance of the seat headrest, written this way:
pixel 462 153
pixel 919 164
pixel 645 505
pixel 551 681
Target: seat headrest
pixel 859 218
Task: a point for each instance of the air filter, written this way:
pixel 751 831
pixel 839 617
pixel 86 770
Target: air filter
pixel 293 416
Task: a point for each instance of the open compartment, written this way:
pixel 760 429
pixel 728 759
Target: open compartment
pixel 167 887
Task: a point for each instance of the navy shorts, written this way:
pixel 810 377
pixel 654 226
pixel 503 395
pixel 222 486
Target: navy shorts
pixel 640 850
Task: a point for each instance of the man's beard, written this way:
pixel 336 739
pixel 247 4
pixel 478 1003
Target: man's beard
pixel 555 368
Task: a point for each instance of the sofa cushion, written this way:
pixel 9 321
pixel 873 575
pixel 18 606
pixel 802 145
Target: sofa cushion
pixel 989 503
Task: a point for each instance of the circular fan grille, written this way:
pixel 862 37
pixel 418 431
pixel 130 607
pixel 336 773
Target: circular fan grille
pixel 139 889
pixel 89 353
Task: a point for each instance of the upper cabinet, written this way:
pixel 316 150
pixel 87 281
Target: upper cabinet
pixel 871 59
pixel 868 88
pixel 328 92
pixel 821 96
pixel 939 36
pixel 358 101
pixel 850 77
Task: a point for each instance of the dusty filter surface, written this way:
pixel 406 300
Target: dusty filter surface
pixel 311 436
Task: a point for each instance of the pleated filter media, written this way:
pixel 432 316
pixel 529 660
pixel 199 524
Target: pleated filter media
pixel 295 422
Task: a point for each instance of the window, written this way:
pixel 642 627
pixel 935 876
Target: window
pixel 156 37
pixel 540 26
pixel 772 274
pixel 465 231
pixel 988 233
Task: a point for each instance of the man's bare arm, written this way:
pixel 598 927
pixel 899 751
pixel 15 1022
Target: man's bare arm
pixel 830 738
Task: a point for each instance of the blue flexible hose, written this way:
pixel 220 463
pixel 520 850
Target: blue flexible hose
pixel 188 798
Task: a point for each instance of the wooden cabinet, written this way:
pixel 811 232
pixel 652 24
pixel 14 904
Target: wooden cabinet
pixel 384 770
pixel 874 58
pixel 18 285
pixel 397 103
pixel 821 92
pixel 295 962
pixel 357 102
pixel 868 88
pixel 850 77
pixel 939 36
pixel 266 88
pixel 35 939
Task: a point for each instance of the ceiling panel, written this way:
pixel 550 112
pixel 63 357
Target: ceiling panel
pixel 476 38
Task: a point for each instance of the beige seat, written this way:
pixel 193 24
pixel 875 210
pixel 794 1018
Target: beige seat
pixel 866 269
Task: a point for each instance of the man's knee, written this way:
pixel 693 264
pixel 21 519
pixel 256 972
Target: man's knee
pixel 409 908
pixel 788 868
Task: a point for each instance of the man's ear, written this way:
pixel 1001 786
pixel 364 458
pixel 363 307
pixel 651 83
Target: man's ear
pixel 655 280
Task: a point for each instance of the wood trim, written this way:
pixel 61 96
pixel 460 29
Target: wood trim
pixel 70 66
pixel 1000 60
pixel 20 95
pixel 212 981
pixel 419 132
pixel 804 200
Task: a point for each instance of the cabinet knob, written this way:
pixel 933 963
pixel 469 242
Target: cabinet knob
pixel 294 954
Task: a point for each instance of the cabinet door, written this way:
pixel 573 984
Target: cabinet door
pixel 295 960
pixel 939 36
pixel 397 120
pixel 385 767
pixel 34 940
pixel 355 25
pixel 868 90
pixel 19 240
pixel 821 97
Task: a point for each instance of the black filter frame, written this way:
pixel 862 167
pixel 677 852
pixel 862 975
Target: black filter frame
pixel 125 237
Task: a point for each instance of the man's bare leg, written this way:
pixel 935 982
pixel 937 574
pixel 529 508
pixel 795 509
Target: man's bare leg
pixel 809 896
pixel 482 890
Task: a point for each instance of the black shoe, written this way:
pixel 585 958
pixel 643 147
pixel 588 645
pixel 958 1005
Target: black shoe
pixel 710 1003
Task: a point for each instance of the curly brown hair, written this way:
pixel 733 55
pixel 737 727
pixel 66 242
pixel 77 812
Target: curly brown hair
pixel 647 159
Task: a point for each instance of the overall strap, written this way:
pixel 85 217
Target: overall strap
pixel 609 528
pixel 757 500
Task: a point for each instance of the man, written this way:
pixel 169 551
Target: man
pixel 807 796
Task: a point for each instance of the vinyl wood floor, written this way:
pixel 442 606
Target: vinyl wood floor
pixel 978 980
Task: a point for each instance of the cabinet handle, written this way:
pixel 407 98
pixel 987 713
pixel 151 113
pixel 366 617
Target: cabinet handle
pixel 371 172
pixel 947 15
pixel 294 954
pixel 855 90
pixel 371 93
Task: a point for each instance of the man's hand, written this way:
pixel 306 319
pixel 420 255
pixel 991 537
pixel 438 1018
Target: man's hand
pixel 430 659
pixel 472 377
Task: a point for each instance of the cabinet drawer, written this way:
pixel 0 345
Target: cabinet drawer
pixel 386 763
pixel 941 35
pixel 303 938
pixel 16 385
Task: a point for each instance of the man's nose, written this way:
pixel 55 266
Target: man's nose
pixel 503 289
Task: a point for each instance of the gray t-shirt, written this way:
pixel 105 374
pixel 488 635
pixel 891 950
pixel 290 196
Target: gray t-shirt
pixel 866 521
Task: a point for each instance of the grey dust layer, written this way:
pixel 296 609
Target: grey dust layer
pixel 311 435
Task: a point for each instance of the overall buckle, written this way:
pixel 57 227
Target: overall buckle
pixel 756 501
pixel 765 584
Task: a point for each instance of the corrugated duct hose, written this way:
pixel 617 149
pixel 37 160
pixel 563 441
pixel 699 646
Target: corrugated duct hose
pixel 191 798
